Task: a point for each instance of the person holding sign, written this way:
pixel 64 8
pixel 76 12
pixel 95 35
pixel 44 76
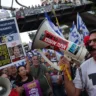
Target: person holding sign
pixel 40 73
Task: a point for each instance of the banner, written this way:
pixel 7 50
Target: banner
pixel 11 49
pixel 32 88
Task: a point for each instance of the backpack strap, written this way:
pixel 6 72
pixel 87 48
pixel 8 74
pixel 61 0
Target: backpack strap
pixel 80 73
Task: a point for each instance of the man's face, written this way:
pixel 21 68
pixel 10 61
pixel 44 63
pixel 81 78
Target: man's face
pixel 35 60
pixel 92 44
pixel 13 70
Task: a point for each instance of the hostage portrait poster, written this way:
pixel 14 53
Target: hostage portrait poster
pixel 11 48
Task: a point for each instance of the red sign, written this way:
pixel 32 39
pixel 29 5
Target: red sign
pixel 54 40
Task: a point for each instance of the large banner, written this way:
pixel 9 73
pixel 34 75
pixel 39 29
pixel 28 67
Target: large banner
pixel 11 49
pixel 33 88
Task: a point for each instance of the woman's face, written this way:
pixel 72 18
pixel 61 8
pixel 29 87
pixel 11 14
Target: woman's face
pixel 16 52
pixel 22 71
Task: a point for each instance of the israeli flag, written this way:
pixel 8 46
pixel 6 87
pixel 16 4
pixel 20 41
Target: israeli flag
pixel 74 35
pixel 81 26
pixel 55 28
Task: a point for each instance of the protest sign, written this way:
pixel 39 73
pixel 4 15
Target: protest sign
pixel 11 49
pixel 32 88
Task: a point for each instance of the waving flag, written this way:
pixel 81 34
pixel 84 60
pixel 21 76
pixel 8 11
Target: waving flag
pixel 81 26
pixel 74 35
pixel 55 28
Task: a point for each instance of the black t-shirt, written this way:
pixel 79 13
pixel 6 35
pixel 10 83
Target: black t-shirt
pixel 12 78
pixel 20 83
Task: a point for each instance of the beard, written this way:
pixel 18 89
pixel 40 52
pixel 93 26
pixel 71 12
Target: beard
pixel 90 48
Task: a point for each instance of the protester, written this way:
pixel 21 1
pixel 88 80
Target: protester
pixel 12 73
pixel 22 78
pixel 39 72
pixel 57 83
pixel 88 69
pixel 13 91
pixel 47 54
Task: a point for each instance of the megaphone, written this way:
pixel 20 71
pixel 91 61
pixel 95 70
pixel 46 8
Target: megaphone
pixel 46 37
pixel 5 86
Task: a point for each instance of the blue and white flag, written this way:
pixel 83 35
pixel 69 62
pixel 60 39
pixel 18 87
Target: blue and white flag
pixel 81 26
pixel 74 35
pixel 55 28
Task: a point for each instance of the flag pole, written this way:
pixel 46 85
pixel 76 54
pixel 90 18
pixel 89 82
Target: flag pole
pixel 53 11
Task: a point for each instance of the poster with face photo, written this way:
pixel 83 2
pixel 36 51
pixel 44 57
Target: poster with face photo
pixel 16 53
pixel 11 49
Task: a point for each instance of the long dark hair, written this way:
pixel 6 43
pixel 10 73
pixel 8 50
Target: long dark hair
pixel 19 79
pixel 18 76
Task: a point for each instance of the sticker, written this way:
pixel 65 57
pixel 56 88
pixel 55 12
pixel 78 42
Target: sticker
pixel 74 49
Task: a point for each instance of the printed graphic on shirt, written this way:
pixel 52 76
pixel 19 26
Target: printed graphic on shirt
pixel 93 78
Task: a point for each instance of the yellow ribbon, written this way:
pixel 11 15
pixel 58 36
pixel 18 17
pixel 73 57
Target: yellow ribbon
pixel 67 72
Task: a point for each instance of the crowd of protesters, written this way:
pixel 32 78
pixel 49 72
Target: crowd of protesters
pixel 54 82
pixel 36 68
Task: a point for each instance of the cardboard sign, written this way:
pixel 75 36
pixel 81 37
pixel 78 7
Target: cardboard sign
pixel 11 49
pixel 32 88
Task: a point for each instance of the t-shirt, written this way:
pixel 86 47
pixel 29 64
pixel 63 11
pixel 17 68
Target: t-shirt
pixel 40 76
pixel 20 83
pixel 12 80
pixel 88 75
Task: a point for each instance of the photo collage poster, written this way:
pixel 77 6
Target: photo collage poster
pixel 11 49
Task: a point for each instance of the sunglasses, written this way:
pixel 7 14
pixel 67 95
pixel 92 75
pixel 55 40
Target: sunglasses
pixel 94 40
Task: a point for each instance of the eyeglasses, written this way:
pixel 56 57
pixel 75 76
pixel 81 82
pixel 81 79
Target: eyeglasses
pixel 94 40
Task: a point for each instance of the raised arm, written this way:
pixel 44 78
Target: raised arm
pixel 27 64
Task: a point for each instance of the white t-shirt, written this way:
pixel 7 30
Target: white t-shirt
pixel 88 75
